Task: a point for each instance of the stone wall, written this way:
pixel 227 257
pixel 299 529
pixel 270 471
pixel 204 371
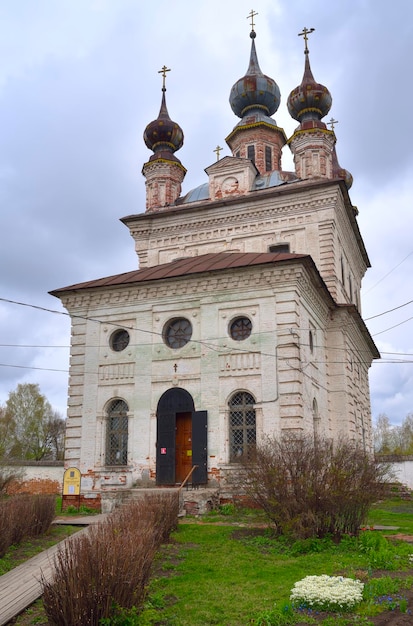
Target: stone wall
pixel 36 477
pixel 404 471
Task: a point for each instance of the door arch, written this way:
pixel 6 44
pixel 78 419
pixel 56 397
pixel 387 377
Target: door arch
pixel 181 439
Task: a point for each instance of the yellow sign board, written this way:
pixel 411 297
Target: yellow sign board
pixel 71 482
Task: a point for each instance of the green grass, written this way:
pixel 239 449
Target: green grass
pixel 393 512
pixel 73 510
pixel 227 569
pixel 216 571
pixel 16 555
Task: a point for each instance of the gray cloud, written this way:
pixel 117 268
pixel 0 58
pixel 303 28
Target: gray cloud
pixel 79 83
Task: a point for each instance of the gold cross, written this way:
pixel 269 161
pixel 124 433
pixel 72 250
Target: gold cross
pixel 305 32
pixel 163 72
pixel 217 150
pixel 332 122
pixel 251 16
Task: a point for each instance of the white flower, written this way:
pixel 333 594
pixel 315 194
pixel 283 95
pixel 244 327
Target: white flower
pixel 327 592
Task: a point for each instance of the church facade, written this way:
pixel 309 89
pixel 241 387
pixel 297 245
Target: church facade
pixel 243 319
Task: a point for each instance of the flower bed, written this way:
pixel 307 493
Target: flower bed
pixel 327 593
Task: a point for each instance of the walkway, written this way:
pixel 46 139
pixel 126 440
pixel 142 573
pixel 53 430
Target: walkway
pixel 21 586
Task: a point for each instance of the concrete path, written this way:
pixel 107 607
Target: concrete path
pixel 20 587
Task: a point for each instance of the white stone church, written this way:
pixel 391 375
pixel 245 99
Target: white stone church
pixel 243 318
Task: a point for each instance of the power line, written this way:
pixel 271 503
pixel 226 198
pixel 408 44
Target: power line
pixel 389 311
pixel 391 327
pixel 204 343
pixel 388 273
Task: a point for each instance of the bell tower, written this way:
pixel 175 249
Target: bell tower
pixel 164 172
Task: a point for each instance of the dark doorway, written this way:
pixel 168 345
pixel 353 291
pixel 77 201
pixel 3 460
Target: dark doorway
pixel 181 439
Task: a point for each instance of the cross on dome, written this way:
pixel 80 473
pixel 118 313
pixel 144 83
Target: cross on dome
pixel 163 72
pixel 251 16
pixel 304 33
pixel 217 151
pixel 331 123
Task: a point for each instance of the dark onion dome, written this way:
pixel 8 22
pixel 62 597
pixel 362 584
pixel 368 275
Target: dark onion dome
pixel 163 136
pixel 310 100
pixel 254 90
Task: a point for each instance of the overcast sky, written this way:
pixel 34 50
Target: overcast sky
pixel 78 84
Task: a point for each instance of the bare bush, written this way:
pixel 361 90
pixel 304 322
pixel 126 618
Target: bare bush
pixel 313 488
pixel 42 513
pixel 109 566
pixel 5 528
pixel 24 516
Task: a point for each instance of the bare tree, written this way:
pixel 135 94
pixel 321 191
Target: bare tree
pixel 57 428
pixel 384 435
pixel 391 438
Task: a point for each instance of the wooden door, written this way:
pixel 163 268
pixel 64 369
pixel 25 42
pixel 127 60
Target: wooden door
pixel 183 446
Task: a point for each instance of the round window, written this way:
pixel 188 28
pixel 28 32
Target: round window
pixel 240 328
pixel 177 332
pixel 119 340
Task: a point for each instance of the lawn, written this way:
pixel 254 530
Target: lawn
pixel 227 569
pixel 230 571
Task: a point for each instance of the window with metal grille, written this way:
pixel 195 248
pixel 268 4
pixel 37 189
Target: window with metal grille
pixel 177 332
pixel 241 425
pixel 240 328
pixel 119 340
pixel 268 158
pixel 117 433
pixel 251 153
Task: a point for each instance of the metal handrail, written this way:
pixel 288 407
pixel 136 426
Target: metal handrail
pixel 187 477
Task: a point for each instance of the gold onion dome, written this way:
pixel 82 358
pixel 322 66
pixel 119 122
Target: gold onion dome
pixel 255 90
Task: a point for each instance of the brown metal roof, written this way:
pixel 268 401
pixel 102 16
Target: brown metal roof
pixel 183 267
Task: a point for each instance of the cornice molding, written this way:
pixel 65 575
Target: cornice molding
pixel 243 279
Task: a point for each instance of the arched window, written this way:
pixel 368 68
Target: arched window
pixel 117 433
pixel 316 419
pixel 311 340
pixel 251 153
pixel 242 429
pixel 268 158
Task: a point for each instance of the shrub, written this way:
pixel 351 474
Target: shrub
pixel 24 516
pixel 313 488
pixel 106 569
pixel 6 526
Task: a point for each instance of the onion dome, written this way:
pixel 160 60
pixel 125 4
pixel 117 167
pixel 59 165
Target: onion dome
pixel 163 136
pixel 310 101
pixel 255 90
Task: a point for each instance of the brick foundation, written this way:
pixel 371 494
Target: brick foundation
pixel 82 500
pixel 35 486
